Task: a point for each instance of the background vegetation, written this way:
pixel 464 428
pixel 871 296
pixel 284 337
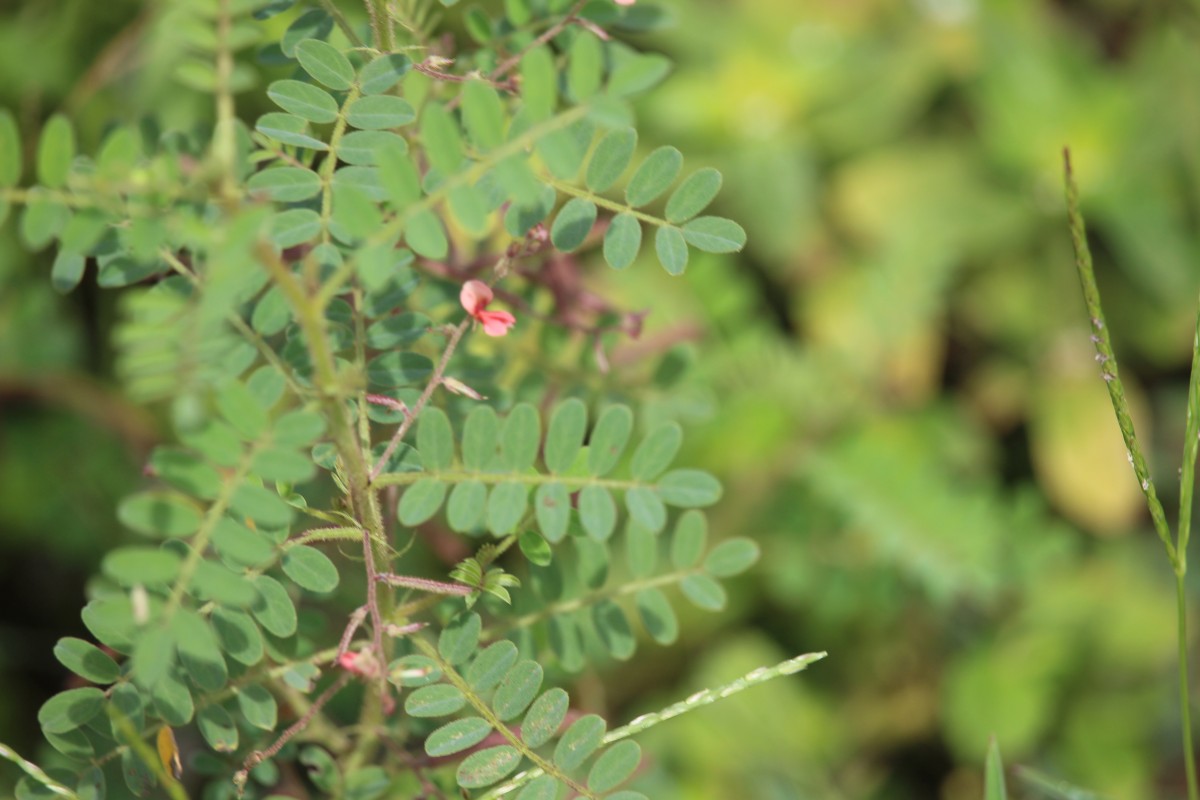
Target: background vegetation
pixel 893 381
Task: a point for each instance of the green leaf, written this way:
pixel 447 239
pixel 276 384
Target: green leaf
pixel 564 435
pixel 439 700
pixel 56 151
pixel 622 241
pixel 487 766
pixel 355 216
pixel 172 701
pixel 273 607
pixel 466 506
pixel 456 736
pixel 470 207
pixel 636 73
pixel 563 150
pixel 552 507
pixel 506 506
pixel 138 566
pixel 654 176
pixel 257 706
pixel 585 67
pixel 658 618
pixel 199 650
pixel 656 452
pixel 361 148
pixel 609 438
pixel 74 745
pixel 86 660
pixel 299 428
pixel 687 545
pixel 693 196
pixel 614 766
pixel 704 592
pixel 240 546
pixel 671 249
pixel 426 236
pixel 281 464
pixel 402 330
pixel 138 776
pixel 294 226
pixel 321 769
pixel 597 512
pixel 520 437
pixel 994 788
pixel 239 637
pixel 380 112
pixel 573 223
pixel 479 438
pixel 535 549
pixel 399 177
pixel 567 643
pixel 220 585
pixel 288 129
pixel 715 235
pixel 368 783
pixel 544 717
pixel 383 73
pixel 613 629
pixel 71 709
pixel 185 472
pixel 325 63
pixel 539 83
pixel 91 785
pixel 398 368
pixel 110 620
pixel 421 501
pixel 689 488
pixel 159 513
pixel 435 439
pixel 262 505
pixel 460 637
pixel 153 656
pixel 312 24
pixel 646 508
pixel 43 220
pixel 310 569
pixel 304 100
pixel 732 557
pixel 517 690
pixel 217 728
pixel 491 665
pixel 611 158
pixel 10 150
pixel 641 548
pixel 582 739
pixel 441 138
pixel 483 115
pixel 542 788
pixel 67 271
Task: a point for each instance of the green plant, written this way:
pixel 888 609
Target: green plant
pixel 293 299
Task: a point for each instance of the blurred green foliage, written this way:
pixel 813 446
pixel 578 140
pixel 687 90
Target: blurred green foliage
pixel 893 381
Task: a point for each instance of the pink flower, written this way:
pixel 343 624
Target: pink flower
pixel 362 663
pixel 626 2
pixel 475 296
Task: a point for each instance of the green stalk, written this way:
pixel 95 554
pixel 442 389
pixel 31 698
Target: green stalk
pixel 1176 550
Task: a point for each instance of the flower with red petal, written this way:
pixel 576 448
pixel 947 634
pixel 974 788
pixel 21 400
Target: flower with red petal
pixel 475 296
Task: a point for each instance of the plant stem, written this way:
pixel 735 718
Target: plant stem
pixel 1185 695
pixel 1177 550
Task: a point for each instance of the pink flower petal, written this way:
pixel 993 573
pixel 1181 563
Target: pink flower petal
pixel 496 323
pixel 475 296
